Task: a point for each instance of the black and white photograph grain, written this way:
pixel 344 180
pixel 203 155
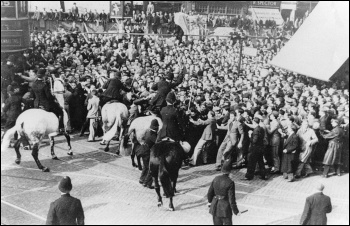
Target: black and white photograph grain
pixel 174 113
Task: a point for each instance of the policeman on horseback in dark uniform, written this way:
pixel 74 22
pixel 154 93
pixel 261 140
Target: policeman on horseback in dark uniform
pixel 172 127
pixel 44 98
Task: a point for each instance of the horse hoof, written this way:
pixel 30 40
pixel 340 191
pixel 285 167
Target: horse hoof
pixel 140 168
pixel 134 165
pixel 172 209
pixel 160 204
pixel 69 148
pixel 102 143
pixel 117 153
pixel 54 157
pixel 106 149
pixel 45 169
pixel 18 161
pixel 70 153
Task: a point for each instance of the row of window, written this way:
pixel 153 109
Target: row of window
pixel 202 8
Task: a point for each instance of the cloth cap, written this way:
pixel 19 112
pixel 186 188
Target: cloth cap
pixel 65 185
pixel 170 98
pixel 41 72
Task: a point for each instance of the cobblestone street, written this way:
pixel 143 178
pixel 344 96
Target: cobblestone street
pixel 110 193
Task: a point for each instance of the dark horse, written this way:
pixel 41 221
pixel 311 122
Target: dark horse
pixel 165 163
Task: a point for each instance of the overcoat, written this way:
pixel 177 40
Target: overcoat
pixel 333 154
pixel 291 145
pixel 316 208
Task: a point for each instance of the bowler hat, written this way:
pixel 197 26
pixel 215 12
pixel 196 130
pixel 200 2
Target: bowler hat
pixel 65 185
pixel 227 167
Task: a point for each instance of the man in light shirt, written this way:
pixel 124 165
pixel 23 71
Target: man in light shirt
pixel 93 108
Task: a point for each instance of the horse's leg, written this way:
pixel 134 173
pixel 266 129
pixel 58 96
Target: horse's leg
pixel 171 204
pixel 174 180
pixel 157 188
pixel 35 154
pixel 107 146
pixel 133 154
pixel 18 153
pixel 120 141
pixel 52 145
pixel 66 135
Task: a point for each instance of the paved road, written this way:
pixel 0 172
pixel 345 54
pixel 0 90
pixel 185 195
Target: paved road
pixel 110 193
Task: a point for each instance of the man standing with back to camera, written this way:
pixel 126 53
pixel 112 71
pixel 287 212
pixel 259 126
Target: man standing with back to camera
pixel 222 197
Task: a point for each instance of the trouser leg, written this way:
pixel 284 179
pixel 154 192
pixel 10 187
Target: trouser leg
pixel 326 170
pixel 337 169
pixel 197 151
pixel 300 169
pixel 276 158
pixel 260 160
pixel 92 129
pixel 146 176
pixel 252 160
pixel 221 151
pixel 308 169
pixel 84 127
pixel 217 221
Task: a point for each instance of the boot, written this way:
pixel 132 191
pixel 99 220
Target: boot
pixel 61 124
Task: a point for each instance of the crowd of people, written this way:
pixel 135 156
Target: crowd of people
pixel 250 111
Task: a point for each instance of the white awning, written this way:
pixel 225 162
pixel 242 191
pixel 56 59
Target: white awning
pixel 267 14
pixel 318 49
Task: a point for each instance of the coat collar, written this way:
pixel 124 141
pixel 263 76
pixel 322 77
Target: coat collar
pixel 289 139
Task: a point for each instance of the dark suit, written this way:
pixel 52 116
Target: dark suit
pixel 65 211
pixel 163 87
pixel 256 152
pixel 171 124
pixel 288 159
pixel 13 109
pixel 222 197
pixel 43 97
pixel 316 208
pixel 113 90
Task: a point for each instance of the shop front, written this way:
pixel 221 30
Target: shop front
pixel 266 10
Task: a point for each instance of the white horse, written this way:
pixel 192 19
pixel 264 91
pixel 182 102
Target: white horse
pixel 114 116
pixel 139 127
pixel 33 125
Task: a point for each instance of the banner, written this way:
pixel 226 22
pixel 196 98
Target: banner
pixel 116 9
pixel 249 51
pixel 181 19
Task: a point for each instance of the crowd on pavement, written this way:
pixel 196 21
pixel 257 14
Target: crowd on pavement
pixel 280 119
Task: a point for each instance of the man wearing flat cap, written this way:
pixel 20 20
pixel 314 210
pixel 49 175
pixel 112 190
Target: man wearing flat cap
pixel 222 197
pixel 163 87
pixel 66 210
pixel 290 146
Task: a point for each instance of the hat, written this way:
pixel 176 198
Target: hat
pixel 41 72
pixel 170 76
pixel 65 185
pixel 335 121
pixel 170 98
pixel 154 125
pixel 227 167
pixel 275 114
pixel 11 58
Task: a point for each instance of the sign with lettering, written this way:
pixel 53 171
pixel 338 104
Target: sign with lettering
pixel 11 41
pixel 266 4
pixel 8 9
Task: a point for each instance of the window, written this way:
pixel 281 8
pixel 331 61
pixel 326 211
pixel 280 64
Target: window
pixel 232 10
pixel 217 9
pixel 201 8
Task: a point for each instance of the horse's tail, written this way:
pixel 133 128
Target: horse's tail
pixel 113 130
pixel 6 140
pixel 164 177
pixel 126 137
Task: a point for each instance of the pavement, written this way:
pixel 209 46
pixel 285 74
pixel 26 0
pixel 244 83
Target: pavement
pixel 110 193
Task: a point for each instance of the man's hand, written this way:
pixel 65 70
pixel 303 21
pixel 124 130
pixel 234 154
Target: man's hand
pixel 285 151
pixel 209 205
pixel 240 145
pixel 239 214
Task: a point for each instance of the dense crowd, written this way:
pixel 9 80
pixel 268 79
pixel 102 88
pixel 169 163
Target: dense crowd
pixel 272 117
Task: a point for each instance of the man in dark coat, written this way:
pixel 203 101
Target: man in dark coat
pixel 171 122
pixel 256 150
pixel 144 151
pixel 7 76
pixel 290 146
pixel 222 197
pixel 13 108
pixel 164 87
pixel 44 99
pixel 207 136
pixel 316 208
pixel 113 89
pixel 66 210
